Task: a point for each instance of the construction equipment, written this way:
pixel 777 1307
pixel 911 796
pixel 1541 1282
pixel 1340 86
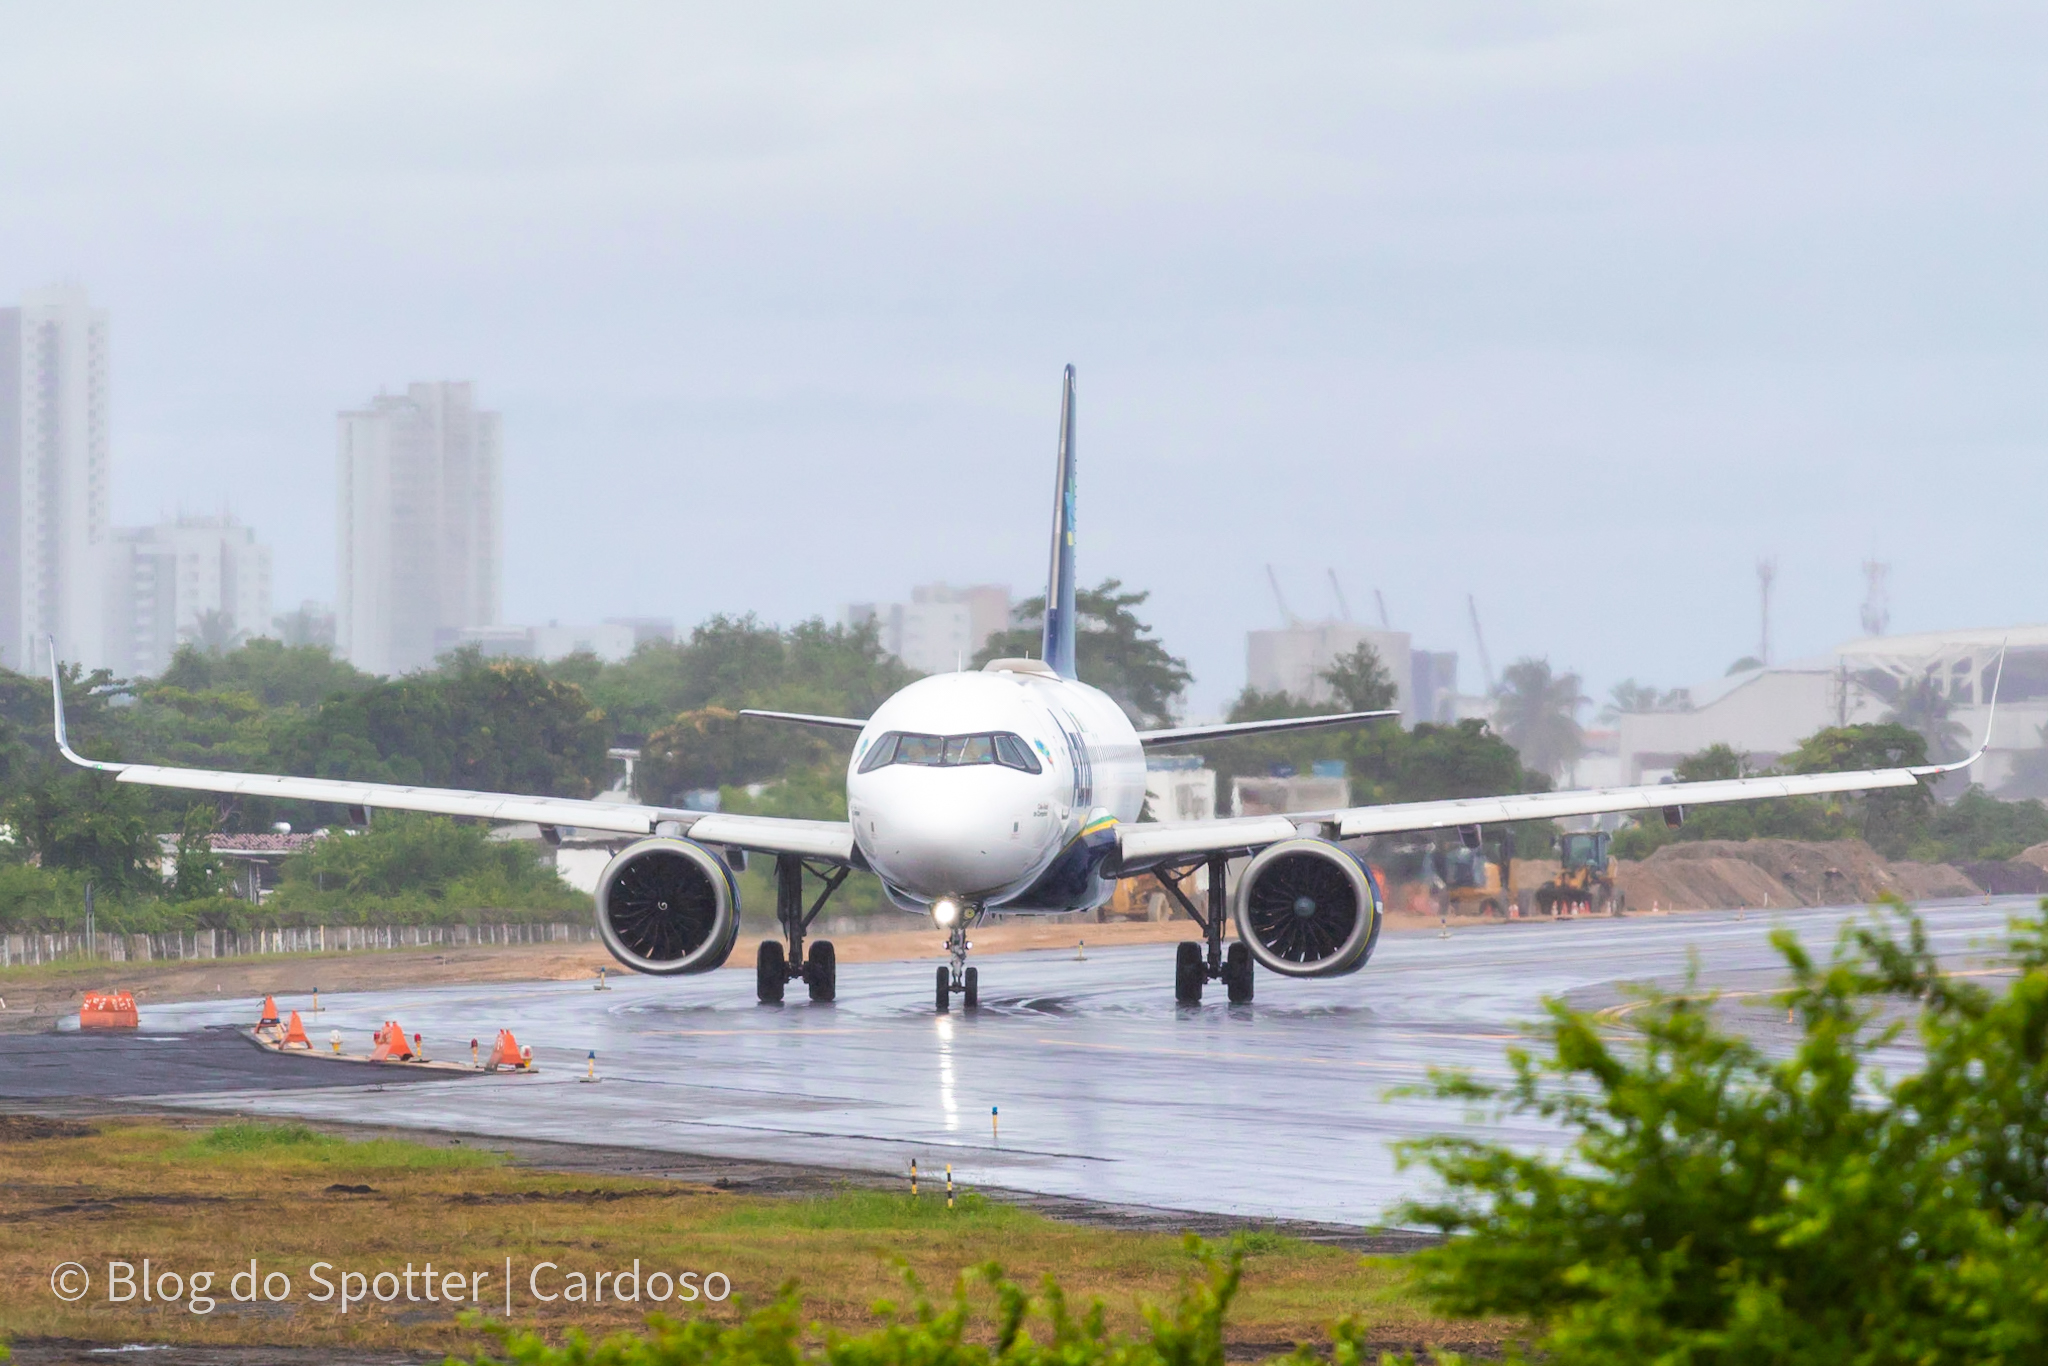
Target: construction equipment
pixel 1585 880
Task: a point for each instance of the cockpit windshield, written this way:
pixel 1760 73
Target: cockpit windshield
pixel 950 751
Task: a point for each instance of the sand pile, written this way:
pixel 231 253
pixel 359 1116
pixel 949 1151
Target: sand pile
pixel 1723 874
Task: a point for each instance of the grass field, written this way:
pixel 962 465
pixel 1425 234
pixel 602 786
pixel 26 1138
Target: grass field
pixel 212 1200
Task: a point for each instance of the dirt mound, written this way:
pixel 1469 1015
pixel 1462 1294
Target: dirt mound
pixel 2037 855
pixel 2013 878
pixel 1726 874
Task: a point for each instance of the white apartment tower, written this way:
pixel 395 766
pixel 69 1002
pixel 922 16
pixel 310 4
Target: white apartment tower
pixel 53 478
pixel 420 544
pixel 200 579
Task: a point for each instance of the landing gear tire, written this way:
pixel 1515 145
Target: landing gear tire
pixel 821 971
pixel 771 973
pixel 1188 973
pixel 944 1003
pixel 1237 974
pixel 973 977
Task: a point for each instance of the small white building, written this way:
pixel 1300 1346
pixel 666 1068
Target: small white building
pixel 609 641
pixel 1178 787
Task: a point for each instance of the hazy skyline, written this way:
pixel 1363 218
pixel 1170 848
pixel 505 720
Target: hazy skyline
pixel 1579 308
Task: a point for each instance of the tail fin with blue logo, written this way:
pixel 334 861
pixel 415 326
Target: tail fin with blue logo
pixel 1059 583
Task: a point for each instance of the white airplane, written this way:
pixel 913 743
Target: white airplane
pixel 1014 789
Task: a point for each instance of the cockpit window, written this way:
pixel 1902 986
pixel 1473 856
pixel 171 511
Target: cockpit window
pixel 950 751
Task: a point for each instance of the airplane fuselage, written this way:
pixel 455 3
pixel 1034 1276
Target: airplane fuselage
pixel 1000 789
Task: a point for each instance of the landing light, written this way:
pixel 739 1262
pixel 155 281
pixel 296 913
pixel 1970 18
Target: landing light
pixel 946 912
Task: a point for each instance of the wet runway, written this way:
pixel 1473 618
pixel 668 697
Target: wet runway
pixel 1107 1090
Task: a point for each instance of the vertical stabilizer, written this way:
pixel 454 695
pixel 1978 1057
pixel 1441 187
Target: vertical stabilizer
pixel 1059 583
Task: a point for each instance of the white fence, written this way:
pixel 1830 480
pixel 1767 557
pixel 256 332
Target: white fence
pixel 21 949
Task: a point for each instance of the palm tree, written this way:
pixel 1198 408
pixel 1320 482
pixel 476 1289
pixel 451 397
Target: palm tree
pixel 1924 709
pixel 213 631
pixel 1537 712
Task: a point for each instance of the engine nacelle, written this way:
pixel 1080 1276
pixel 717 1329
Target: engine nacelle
pixel 1308 908
pixel 668 906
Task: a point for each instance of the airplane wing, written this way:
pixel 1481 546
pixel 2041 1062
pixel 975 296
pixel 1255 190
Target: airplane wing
pixel 830 840
pixel 1230 730
pixel 805 719
pixel 1145 845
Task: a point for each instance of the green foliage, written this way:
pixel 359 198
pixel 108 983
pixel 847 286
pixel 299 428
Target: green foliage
pixel 1360 681
pixel 493 725
pixel 408 869
pixel 1979 826
pixel 714 746
pixel 1187 1333
pixel 1796 818
pixel 1113 651
pixel 198 872
pixel 81 820
pixel 1538 713
pixel 735 662
pixel 1923 708
pixel 1722 1202
pixel 274 673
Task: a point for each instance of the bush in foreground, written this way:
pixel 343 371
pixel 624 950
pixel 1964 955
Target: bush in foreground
pixel 1189 1333
pixel 1720 1203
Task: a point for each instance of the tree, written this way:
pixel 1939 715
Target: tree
pixel 1537 712
pixel 1360 681
pixel 1630 698
pixel 1726 1202
pixel 1113 650
pixel 84 821
pixel 213 631
pixel 274 672
pixel 713 747
pixel 198 872
pixel 1890 819
pixel 1924 709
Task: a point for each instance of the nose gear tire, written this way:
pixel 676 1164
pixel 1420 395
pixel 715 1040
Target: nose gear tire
pixel 973 978
pixel 1188 973
pixel 771 972
pixel 821 971
pixel 944 1002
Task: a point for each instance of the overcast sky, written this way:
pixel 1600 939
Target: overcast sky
pixel 1579 308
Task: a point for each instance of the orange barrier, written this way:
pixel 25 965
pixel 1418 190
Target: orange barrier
pixel 391 1044
pixel 108 1010
pixel 269 1013
pixel 507 1054
pixel 295 1034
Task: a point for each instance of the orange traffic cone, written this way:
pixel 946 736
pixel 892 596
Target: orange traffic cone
pixel 391 1044
pixel 269 1020
pixel 506 1053
pixel 295 1034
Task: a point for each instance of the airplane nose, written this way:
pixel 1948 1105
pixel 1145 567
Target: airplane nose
pixel 937 848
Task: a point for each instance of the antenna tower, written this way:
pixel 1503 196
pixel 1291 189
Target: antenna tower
pixel 1766 571
pixel 1877 598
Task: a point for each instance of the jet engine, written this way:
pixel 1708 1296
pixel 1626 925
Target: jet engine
pixel 668 906
pixel 1308 908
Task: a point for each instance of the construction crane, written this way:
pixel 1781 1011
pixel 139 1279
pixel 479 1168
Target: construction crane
pixel 1381 599
pixel 1281 598
pixel 1479 639
pixel 1343 607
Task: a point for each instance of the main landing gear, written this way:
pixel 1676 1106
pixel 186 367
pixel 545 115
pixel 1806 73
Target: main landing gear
pixel 1195 965
pixel 775 967
pixel 956 976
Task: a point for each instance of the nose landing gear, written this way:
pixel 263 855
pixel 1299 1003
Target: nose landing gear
pixel 1195 965
pixel 957 977
pixel 775 967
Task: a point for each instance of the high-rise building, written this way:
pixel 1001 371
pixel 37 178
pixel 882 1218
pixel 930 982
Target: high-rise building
pixel 941 628
pixel 53 478
pixel 420 531
pixel 199 579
